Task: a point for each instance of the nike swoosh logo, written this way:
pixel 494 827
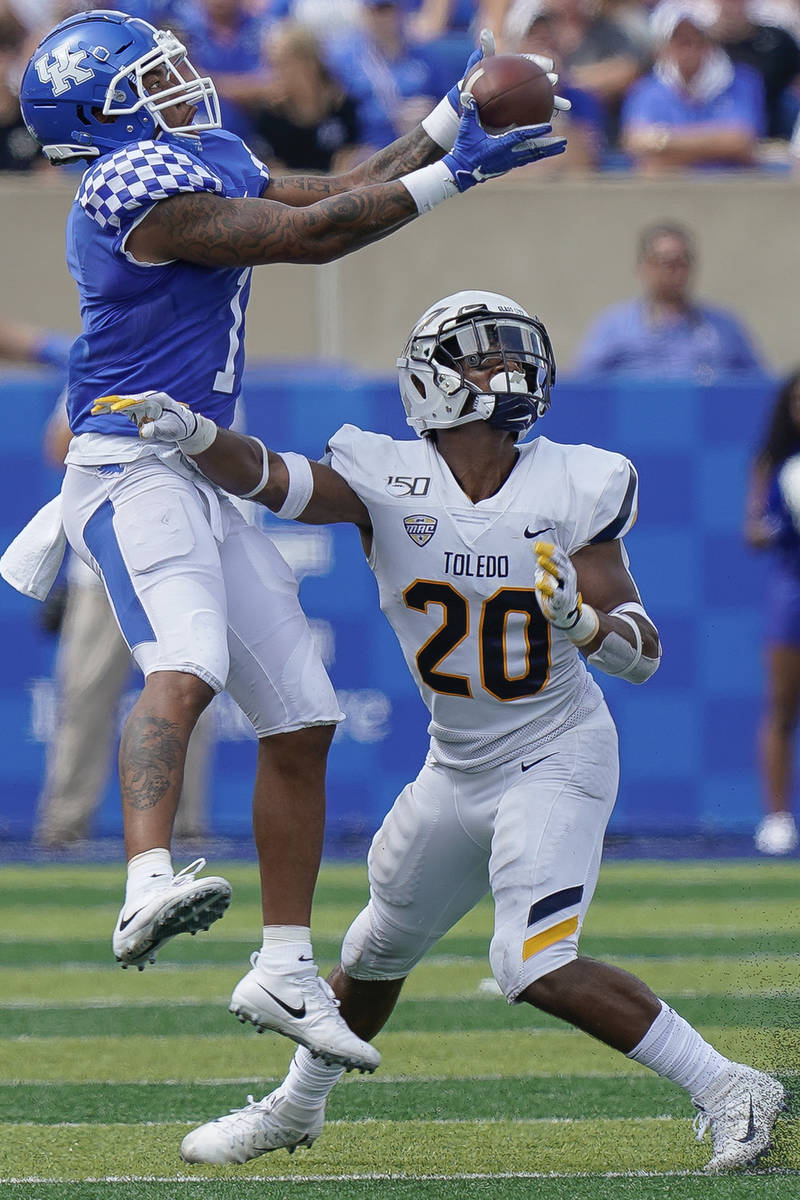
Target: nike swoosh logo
pixel 123 925
pixel 305 958
pixel 536 532
pixel 751 1129
pixel 299 1013
pixel 535 763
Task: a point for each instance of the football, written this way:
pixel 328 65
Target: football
pixel 510 90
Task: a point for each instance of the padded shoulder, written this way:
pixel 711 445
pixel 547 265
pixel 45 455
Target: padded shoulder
pixel 138 175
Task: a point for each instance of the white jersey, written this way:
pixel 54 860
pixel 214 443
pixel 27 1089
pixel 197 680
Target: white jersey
pixel 456 583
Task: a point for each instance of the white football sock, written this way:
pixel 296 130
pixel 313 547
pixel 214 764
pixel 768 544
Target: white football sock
pixel 287 948
pixel 148 871
pixel 676 1051
pixel 309 1080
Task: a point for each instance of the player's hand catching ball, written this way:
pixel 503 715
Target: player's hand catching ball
pixel 556 583
pixel 159 418
pixel 478 155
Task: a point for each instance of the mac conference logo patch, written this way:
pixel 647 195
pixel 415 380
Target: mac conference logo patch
pixel 420 528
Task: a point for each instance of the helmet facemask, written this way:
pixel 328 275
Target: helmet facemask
pixel 436 366
pixel 185 86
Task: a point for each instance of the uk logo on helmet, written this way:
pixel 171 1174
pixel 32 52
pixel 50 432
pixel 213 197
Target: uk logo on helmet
pixel 62 68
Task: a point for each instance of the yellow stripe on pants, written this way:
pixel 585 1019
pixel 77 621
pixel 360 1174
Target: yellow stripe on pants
pixel 547 937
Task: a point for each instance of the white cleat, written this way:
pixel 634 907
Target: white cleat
pixel 776 834
pixel 741 1108
pixel 183 905
pixel 268 1124
pixel 304 1008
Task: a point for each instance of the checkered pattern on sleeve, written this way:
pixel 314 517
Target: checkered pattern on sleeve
pixel 137 175
pixel 262 168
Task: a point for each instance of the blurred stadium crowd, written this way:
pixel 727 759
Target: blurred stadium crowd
pixel 320 84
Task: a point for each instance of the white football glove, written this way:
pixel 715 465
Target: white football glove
pixel 442 123
pixel 161 419
pixel 560 103
pixel 556 583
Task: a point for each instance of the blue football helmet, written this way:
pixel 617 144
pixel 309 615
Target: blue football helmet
pixel 83 91
pixel 471 330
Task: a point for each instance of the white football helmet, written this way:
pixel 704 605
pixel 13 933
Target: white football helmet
pixel 457 334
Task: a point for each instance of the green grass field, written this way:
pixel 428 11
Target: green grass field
pixel 102 1071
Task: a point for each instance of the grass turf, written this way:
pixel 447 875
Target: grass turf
pixel 102 1071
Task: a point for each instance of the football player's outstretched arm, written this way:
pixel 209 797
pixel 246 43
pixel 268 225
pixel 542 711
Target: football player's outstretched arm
pixel 217 231
pixel 418 148
pixel 593 599
pixel 413 150
pixel 289 484
pixel 238 464
pixel 434 137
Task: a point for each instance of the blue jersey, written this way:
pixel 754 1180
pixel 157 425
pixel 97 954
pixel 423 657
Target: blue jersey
pixel 173 327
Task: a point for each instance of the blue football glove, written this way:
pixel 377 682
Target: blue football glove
pixel 478 155
pixel 441 125
pixel 486 49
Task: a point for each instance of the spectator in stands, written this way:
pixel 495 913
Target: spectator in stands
pixel 225 40
pixel 696 108
pixel 771 51
pixel 433 19
pixel 632 16
pixel 784 14
pixel 411 71
pixel 666 333
pixel 327 17
pixel 596 53
pixel 772 523
pixel 308 122
pixel 583 125
pixel 364 75
pixel 18 150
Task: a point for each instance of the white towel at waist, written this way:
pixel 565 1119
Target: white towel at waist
pixel 31 562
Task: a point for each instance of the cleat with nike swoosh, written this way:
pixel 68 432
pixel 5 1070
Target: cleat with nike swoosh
pixel 740 1108
pixel 263 1125
pixel 304 1008
pixel 182 905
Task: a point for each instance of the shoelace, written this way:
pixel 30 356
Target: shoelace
pixel 738 1111
pixel 329 992
pixel 188 873
pixel 701 1123
pixel 251 1103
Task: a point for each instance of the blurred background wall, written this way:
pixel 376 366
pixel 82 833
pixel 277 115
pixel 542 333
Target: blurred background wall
pixel 564 250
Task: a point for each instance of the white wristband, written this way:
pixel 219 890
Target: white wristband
pixel 262 483
pixel 301 485
pixel 201 439
pixel 430 186
pixel 441 125
pixel 584 628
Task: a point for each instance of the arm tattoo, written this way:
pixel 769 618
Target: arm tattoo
pixel 215 231
pixel 151 758
pixel 406 154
